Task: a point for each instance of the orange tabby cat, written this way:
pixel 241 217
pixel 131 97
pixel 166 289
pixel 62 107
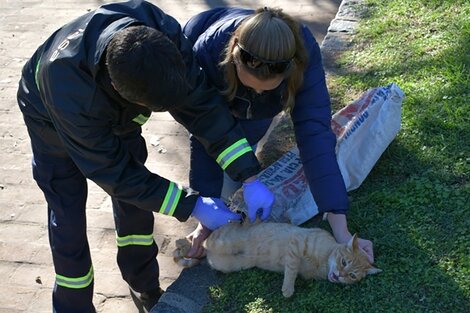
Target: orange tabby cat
pixel 312 253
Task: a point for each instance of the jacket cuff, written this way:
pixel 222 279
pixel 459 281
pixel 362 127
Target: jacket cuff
pixel 239 161
pixel 342 210
pixel 186 206
pixel 177 202
pixel 244 174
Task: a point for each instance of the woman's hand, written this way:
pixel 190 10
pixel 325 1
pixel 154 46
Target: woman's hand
pixel 339 225
pixel 197 237
pixel 367 246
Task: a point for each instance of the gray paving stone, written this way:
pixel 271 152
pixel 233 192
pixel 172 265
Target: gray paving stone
pixel 16 298
pixel 41 302
pixel 117 304
pixel 32 276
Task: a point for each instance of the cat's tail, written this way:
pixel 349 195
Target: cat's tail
pixel 182 249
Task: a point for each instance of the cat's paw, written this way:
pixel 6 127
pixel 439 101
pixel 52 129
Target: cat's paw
pixel 287 291
pixel 183 246
pixel 182 249
pixel 186 263
pixel 179 254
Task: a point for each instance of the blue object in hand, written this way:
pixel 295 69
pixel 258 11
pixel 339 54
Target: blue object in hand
pixel 259 199
pixel 213 213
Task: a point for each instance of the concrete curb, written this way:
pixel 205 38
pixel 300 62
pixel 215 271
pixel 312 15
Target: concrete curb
pixel 189 293
pixel 341 32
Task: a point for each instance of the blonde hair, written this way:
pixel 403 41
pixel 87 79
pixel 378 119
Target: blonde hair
pixel 270 34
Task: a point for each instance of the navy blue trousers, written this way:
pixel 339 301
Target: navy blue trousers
pixel 65 190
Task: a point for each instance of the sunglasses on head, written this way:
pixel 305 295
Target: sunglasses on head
pixel 254 62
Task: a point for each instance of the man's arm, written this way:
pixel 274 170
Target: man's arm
pixel 206 116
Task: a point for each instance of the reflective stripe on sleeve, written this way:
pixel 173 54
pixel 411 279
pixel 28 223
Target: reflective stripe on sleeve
pixel 233 152
pixel 76 282
pixel 36 71
pixel 171 199
pixel 140 119
pixel 134 240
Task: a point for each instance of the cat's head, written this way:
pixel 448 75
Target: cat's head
pixel 349 264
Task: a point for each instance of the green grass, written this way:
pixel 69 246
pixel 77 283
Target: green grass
pixel 415 204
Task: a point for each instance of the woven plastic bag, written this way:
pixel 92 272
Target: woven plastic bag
pixel 363 129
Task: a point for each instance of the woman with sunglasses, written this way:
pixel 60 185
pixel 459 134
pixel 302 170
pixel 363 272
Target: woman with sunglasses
pixel 265 62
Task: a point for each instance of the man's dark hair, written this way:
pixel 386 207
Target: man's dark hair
pixel 146 67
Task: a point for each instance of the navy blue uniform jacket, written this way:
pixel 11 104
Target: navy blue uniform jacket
pixel 210 32
pixel 76 97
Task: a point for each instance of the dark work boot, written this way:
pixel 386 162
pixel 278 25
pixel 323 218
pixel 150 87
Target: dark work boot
pixel 145 301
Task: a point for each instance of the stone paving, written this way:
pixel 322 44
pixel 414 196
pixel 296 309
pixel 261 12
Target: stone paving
pixel 25 262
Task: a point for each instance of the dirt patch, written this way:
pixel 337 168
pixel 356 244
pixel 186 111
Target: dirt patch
pixel 279 139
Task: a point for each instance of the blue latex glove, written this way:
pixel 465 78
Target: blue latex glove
pixel 213 213
pixel 259 199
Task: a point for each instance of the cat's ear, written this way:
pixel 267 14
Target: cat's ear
pixel 353 243
pixel 373 270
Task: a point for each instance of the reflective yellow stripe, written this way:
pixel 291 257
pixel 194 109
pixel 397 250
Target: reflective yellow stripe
pixel 235 156
pixel 36 71
pixel 140 119
pixel 171 200
pixel 233 152
pixel 77 282
pixel 134 240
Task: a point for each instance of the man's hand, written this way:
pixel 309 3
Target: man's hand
pixel 197 237
pixel 213 213
pixel 258 198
